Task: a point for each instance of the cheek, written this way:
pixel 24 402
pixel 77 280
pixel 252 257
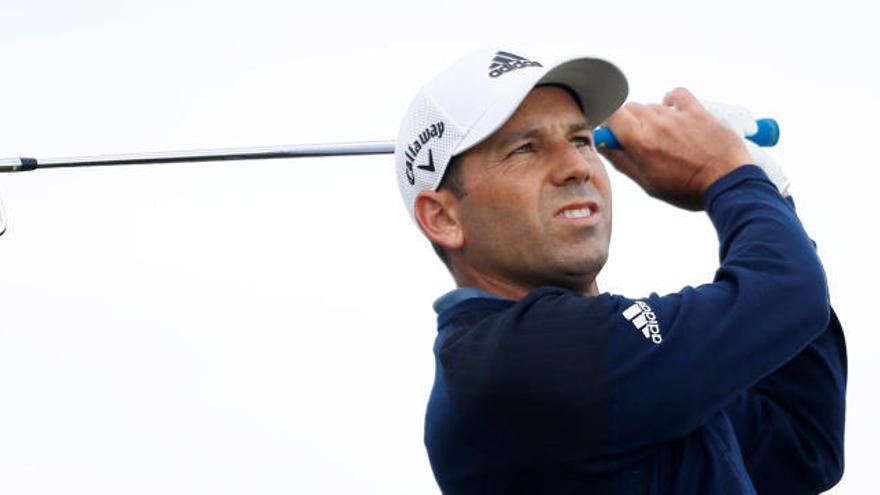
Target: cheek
pixel 500 215
pixel 609 207
pixel 602 183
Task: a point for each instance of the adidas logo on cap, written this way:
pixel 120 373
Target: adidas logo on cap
pixel 644 319
pixel 505 62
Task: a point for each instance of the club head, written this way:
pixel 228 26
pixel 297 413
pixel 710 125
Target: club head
pixel 2 219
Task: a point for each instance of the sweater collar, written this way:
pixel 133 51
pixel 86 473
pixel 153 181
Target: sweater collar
pixel 461 294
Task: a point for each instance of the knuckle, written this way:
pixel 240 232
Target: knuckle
pixel 680 91
pixel 666 127
pixel 658 107
pixel 651 145
pixel 679 94
pixel 633 106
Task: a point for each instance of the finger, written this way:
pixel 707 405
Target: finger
pixel 625 123
pixel 651 114
pixel 658 109
pixel 621 113
pixel 638 110
pixel 682 99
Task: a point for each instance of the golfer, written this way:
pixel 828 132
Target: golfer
pixel 543 383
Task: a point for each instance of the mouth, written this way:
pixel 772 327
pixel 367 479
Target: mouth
pixel 578 212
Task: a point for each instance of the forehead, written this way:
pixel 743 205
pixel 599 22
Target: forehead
pixel 544 107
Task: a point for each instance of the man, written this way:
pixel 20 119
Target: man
pixel 546 385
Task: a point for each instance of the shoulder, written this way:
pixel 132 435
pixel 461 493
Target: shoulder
pixel 545 309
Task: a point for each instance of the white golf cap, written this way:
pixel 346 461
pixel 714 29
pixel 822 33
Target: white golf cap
pixel 474 97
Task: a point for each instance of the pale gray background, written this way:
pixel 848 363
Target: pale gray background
pixel 265 327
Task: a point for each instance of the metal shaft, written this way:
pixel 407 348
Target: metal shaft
pixel 767 135
pixel 256 153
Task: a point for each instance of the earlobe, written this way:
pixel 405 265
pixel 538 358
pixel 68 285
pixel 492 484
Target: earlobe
pixel 437 214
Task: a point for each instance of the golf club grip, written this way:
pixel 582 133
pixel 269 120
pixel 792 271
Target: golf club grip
pixel 767 135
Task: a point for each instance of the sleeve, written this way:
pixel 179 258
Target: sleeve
pixel 609 376
pixel 790 425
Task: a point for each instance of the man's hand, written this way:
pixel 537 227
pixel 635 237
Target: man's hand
pixel 675 151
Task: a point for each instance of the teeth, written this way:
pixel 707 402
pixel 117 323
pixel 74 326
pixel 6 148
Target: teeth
pixel 579 213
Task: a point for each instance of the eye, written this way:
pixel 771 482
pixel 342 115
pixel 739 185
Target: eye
pixel 582 141
pixel 526 148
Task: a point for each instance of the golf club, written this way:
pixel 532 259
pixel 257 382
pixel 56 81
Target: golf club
pixel 767 135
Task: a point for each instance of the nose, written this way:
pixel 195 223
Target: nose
pixel 571 165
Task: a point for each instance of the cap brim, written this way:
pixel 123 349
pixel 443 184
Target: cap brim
pixel 600 85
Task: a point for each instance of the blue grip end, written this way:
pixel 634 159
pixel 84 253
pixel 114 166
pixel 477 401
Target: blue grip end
pixel 768 133
pixel 604 138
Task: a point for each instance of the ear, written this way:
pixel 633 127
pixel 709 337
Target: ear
pixel 438 214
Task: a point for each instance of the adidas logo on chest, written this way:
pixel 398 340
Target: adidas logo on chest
pixel 641 316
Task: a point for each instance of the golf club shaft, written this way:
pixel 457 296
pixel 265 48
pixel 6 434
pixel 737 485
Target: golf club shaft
pixel 257 153
pixel 767 135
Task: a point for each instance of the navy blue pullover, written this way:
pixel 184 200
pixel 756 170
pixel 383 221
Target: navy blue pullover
pixel 733 387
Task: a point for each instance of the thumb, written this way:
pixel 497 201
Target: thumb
pixel 682 99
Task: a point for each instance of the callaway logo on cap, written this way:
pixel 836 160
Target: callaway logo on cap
pixel 465 104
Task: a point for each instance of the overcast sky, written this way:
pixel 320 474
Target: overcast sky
pixel 266 327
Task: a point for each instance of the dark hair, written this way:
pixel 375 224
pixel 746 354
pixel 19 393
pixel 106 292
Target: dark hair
pixel 454 183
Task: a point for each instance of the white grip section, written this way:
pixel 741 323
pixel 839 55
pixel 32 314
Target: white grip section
pixel 740 119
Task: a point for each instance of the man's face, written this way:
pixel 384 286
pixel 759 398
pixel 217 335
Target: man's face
pixel 538 204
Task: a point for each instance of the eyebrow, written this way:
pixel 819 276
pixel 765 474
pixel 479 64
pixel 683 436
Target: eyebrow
pixel 531 133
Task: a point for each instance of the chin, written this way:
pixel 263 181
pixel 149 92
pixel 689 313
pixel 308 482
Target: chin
pixel 579 275
pixel 584 265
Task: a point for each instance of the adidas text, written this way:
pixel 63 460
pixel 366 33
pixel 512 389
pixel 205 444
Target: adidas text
pixel 644 319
